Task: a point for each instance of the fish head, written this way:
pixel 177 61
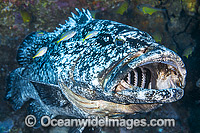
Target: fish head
pixel 126 66
pixel 148 65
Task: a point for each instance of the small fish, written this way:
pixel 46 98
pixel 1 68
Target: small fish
pixel 147 9
pixel 122 8
pixel 157 37
pixel 39 34
pixel 25 16
pixel 41 52
pixel 67 35
pixel 188 51
pixel 91 34
pixel 198 83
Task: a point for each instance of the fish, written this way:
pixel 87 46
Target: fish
pixel 91 34
pixel 67 35
pixel 122 8
pixel 157 37
pixel 26 16
pixel 147 9
pixel 188 51
pixel 120 70
pixel 40 33
pixel 40 52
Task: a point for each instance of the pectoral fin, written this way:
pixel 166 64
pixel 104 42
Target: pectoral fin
pixel 50 94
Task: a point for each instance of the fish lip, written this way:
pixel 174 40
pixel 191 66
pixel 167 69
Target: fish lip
pixel 159 54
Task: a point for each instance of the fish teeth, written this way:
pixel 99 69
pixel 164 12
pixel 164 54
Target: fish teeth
pixel 149 86
pixel 143 77
pixel 129 78
pixel 135 77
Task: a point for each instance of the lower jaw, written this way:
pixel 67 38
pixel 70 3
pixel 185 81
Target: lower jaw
pixel 101 107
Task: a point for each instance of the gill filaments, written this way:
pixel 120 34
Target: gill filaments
pixel 151 76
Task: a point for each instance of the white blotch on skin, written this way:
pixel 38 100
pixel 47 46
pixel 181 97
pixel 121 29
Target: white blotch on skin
pixel 141 95
pixel 95 82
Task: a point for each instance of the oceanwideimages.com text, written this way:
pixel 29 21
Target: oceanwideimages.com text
pixel 46 121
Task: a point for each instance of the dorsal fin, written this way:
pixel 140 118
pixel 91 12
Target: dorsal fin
pixel 35 41
pixel 83 17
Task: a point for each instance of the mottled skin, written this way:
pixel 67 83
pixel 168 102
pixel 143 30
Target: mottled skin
pixel 77 78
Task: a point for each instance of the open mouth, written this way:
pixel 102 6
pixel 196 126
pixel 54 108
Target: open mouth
pixel 156 76
pixel 151 83
pixel 151 76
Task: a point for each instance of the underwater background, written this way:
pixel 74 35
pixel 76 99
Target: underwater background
pixel 172 23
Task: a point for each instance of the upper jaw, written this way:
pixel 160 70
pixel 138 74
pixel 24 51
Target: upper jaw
pixel 129 77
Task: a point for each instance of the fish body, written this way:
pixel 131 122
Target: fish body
pixel 41 52
pixel 147 9
pixel 116 70
pixel 157 37
pixel 122 8
pixel 188 51
pixel 25 16
pixel 91 34
pixel 39 33
pixel 67 35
